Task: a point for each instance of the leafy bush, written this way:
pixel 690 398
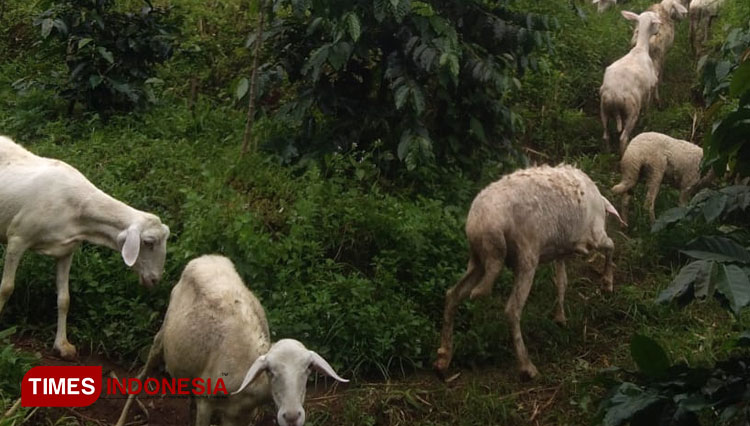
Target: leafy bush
pixel 13 365
pixel 110 55
pixel 418 80
pixel 678 395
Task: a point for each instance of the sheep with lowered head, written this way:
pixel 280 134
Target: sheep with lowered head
pixel 659 156
pixel 531 216
pixel 630 81
pixel 702 13
pixel 50 207
pixel 669 11
pixel 216 328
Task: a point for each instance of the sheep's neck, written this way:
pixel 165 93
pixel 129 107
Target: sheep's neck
pixel 643 35
pixel 103 218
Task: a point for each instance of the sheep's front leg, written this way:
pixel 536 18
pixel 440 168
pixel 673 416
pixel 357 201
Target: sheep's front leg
pixel 514 308
pixel 13 252
pixel 652 190
pixel 62 346
pixel 203 411
pixel 561 282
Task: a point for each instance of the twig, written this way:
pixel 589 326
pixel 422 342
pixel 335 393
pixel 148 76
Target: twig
pixel 695 122
pixel 84 417
pixel 541 154
pixel 12 409
pixel 253 77
pixel 544 406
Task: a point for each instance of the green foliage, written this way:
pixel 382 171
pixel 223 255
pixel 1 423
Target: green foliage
pixel 679 395
pixel 419 81
pixel 110 55
pixel 13 365
pixel 727 83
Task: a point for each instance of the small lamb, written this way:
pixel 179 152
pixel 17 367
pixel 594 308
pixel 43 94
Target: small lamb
pixel 50 207
pixel 629 82
pixel 659 156
pixel 531 216
pixel 669 11
pixel 216 328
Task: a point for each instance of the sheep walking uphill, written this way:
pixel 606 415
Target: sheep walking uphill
pixel 669 11
pixel 50 207
pixel 216 328
pixel 529 217
pixel 658 156
pixel 630 81
pixel 702 14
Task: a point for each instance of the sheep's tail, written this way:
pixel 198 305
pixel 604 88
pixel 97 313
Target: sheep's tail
pixel 630 167
pixel 155 357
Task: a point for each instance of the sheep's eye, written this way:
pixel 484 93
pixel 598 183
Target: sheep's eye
pixel 149 243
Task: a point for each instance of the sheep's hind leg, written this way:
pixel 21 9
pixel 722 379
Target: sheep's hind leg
pixel 62 345
pixel 561 282
pixel 514 308
pixel 608 247
pixel 652 190
pixel 453 297
pixel 13 253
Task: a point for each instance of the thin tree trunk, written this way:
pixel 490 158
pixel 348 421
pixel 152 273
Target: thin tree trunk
pixel 253 77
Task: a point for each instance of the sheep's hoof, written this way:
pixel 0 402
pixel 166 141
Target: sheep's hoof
pixel 561 320
pixel 66 351
pixel 529 373
pixel 442 362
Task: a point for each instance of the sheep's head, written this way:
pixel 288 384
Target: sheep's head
pixel 288 364
pixel 602 5
pixel 648 22
pixel 143 247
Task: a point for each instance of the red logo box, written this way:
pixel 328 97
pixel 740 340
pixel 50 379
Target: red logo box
pixel 61 386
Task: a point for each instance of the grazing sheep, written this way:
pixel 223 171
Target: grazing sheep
pixel 702 13
pixel 669 11
pixel 531 216
pixel 629 82
pixel 50 207
pixel 602 5
pixel 659 156
pixel 216 328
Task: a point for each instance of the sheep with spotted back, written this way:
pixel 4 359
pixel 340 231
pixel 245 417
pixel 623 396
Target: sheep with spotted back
pixel 630 81
pixel 531 216
pixel 669 11
pixel 216 328
pixel 658 156
pixel 49 207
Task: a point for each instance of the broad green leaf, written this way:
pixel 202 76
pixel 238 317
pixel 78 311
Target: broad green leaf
pixel 46 27
pixel 685 279
pixel 733 283
pixel 95 80
pixel 740 80
pixel 405 144
pixel 339 54
pixel 417 99
pixel 627 401
pixel 353 26
pixel 743 340
pixel 714 207
pixel 669 217
pixel 477 129
pixel 106 54
pixel 242 88
pixel 649 356
pixel 83 42
pixel 400 96
pixel 720 249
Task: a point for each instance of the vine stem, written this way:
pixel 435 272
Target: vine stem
pixel 253 77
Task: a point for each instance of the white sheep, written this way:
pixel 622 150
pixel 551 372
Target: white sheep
pixel 702 13
pixel 669 11
pixel 216 328
pixel 658 156
pixel 602 5
pixel 630 81
pixel 531 216
pixel 50 207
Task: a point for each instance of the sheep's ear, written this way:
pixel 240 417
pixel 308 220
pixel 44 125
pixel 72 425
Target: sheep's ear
pixel 320 364
pixel 595 1
pixel 165 228
pixel 260 364
pixel 681 10
pixel 130 244
pixel 613 211
pixel 629 15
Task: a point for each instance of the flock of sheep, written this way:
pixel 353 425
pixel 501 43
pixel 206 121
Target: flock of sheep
pixel 215 327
